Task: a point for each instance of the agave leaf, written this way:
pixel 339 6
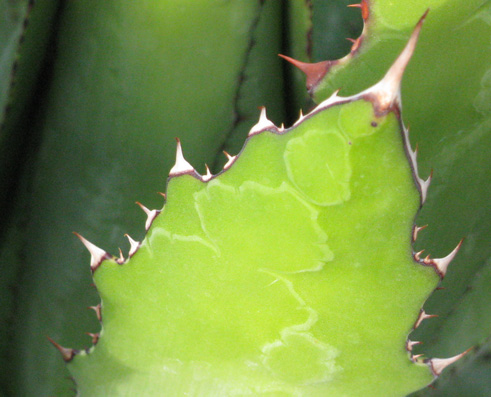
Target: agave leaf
pixel 447 108
pixel 128 76
pixel 289 272
pixel 25 30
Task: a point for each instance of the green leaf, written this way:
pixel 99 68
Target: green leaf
pixel 128 78
pixel 446 104
pixel 290 272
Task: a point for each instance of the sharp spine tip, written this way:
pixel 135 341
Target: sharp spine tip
pixel 66 353
pixel 424 185
pixel 386 93
pixel 301 116
pixel 95 337
pixel 364 8
pixel 208 174
pixel 230 161
pixel 263 123
pixel 417 255
pixel 134 245
pixel 151 215
pixel 423 316
pixel 181 166
pixel 121 259
pixel 410 344
pixel 441 264
pixel 416 230
pixel 98 311
pixel 313 71
pixel 437 365
pixel 356 43
pixel 97 255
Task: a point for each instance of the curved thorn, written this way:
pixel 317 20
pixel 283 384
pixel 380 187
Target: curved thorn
pixel 134 245
pixel 356 43
pixel 98 311
pixel 364 8
pixel 97 255
pixel 151 215
pixel 416 230
pixel 425 186
pixel 208 174
pixel 95 337
pixel 437 365
pixel 417 255
pixel 121 259
pixel 66 353
pixel 313 71
pixel 410 344
pixel 263 123
pixel 386 93
pixel 441 264
pixel 163 195
pixel 181 166
pixel 423 316
pixel 230 161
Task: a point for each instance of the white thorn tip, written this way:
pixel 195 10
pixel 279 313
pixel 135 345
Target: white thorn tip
pixel 387 91
pixel 97 255
pixel 416 231
pixel 230 161
pixel 417 255
pixel 208 174
pixel 424 185
pixel 134 245
pixel 326 103
pixel 441 264
pixel 121 259
pixel 437 365
pixel 181 166
pixel 263 123
pixel 151 215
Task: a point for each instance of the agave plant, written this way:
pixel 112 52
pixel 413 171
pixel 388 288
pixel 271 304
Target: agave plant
pixel 289 269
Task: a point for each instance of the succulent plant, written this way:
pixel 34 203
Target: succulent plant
pixel 290 271
pixel 129 77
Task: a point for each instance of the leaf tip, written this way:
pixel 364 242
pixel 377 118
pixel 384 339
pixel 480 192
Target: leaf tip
pixel 386 93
